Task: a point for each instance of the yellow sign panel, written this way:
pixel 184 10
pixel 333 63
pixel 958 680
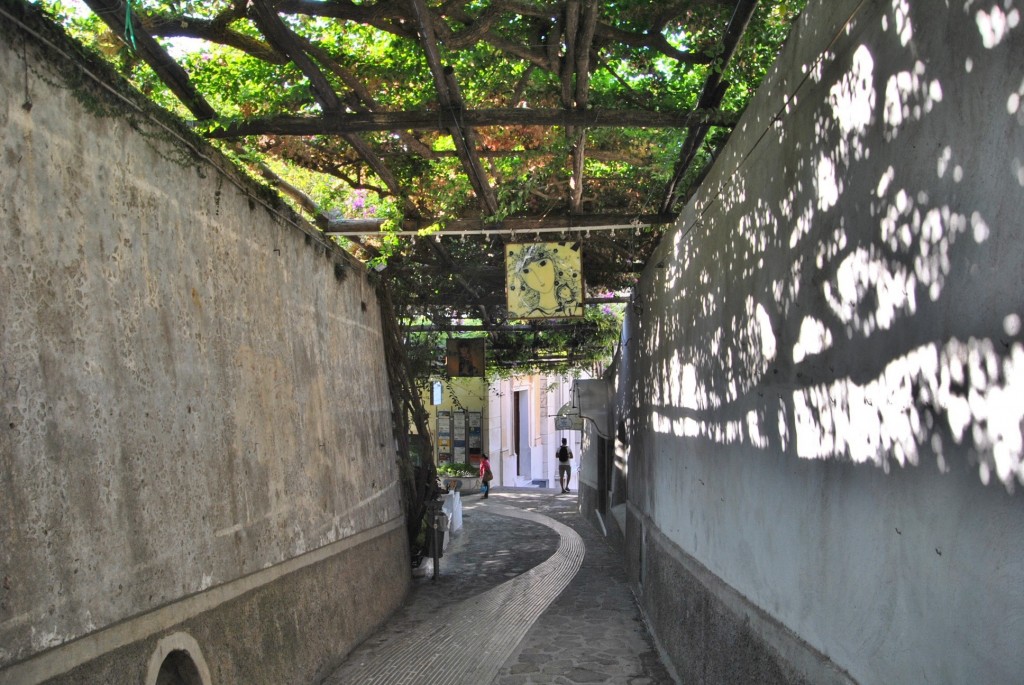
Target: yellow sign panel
pixel 544 280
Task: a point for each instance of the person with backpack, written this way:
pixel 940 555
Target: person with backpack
pixel 564 454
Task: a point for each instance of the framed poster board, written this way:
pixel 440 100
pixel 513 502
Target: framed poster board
pixel 459 437
pixel 444 437
pixel 474 438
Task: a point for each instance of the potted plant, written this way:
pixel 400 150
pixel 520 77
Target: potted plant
pixel 463 478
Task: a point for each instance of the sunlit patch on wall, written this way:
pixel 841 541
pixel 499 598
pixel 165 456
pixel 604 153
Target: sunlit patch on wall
pixel 979 227
pixel 830 249
pixel 908 97
pixel 853 98
pixel 755 434
pixel 826 183
pixel 943 165
pixel 689 395
pixel 733 193
pixel 1013 102
pixel 760 329
pixel 815 338
pixel 886 179
pixel 996 25
pixel 787 204
pixel 901 21
pixel 816 70
pixel 802 226
pixel 759 227
pixel 871 287
pixel 1012 324
pixel 783 423
pixel 661 423
pixel 965 385
pixel 863 280
pixel 729 432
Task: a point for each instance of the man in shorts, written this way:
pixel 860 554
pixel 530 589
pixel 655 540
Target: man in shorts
pixel 564 454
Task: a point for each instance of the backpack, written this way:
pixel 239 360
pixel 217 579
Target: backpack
pixel 563 453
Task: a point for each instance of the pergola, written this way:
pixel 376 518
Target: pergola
pixel 479 123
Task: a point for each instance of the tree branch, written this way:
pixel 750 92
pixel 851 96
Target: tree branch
pixel 451 100
pixel 268 21
pixel 112 12
pixel 213 31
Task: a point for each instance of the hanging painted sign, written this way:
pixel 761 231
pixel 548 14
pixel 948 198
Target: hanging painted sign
pixel 465 357
pixel 543 280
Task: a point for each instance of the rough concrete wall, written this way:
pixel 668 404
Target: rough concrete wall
pixel 303 624
pixel 193 383
pixel 825 414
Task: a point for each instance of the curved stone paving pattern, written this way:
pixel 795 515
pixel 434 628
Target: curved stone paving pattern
pixel 469 641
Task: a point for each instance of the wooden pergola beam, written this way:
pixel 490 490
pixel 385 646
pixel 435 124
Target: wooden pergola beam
pixel 710 97
pixel 504 328
pixel 571 222
pixel 363 99
pixel 624 156
pixel 450 99
pixel 520 224
pixel 282 37
pixel 389 16
pixel 113 13
pixel 355 122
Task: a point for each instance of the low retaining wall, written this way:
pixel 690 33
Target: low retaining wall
pixel 709 632
pixel 281 625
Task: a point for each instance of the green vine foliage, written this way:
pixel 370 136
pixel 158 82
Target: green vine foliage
pixel 464 470
pixel 502 55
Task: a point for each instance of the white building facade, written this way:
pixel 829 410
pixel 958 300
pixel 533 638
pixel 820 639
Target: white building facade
pixel 521 436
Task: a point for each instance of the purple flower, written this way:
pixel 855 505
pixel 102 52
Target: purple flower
pixel 358 199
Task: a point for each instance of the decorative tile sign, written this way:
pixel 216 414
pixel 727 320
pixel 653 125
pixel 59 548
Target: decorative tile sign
pixel 543 280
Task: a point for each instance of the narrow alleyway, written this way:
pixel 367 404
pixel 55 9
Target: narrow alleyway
pixel 529 593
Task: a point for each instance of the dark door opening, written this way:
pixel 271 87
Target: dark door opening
pixel 178 669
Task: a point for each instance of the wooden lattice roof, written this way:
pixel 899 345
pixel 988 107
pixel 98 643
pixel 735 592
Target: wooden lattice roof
pixel 489 121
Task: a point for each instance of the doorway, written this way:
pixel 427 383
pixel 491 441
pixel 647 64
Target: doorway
pixel 520 433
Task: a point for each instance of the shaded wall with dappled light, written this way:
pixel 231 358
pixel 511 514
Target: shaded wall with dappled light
pixel 823 368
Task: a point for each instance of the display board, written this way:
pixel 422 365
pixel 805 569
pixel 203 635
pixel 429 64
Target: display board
pixel 474 437
pixel 444 437
pixel 459 436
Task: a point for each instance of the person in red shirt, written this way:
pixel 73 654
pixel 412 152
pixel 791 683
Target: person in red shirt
pixel 486 476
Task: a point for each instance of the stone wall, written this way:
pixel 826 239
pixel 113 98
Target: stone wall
pixel 196 432
pixel 823 401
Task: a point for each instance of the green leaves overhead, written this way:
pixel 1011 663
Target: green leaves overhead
pixel 617 60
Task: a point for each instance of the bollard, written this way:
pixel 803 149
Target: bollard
pixel 433 509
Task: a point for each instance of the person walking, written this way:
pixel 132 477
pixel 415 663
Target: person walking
pixel 486 476
pixel 564 454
